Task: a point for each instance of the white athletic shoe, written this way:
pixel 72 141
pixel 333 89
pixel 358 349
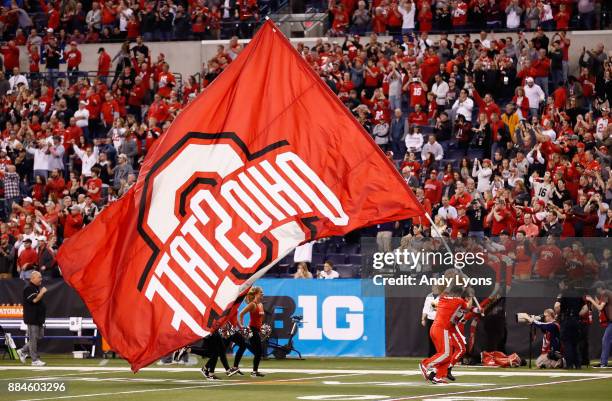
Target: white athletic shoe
pixel 22 356
pixel 38 363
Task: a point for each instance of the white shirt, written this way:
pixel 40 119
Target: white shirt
pixel 550 133
pixel 82 113
pixel 328 276
pixel 428 308
pixel 447 212
pixel 124 16
pixel 88 161
pixel 41 158
pixel 18 79
pixel 407 16
pixel 414 142
pixel 435 148
pixel 440 90
pixel 534 94
pixel 464 108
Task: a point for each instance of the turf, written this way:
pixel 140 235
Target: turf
pixel 388 379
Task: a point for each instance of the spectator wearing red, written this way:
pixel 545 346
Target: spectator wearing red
pixel 158 110
pixel 10 53
pixel 417 90
pixel 55 184
pixel 562 17
pixel 417 117
pixel 541 70
pixel 461 196
pixel 109 110
pixel 486 105
pixel 461 224
pixel 104 64
pixel 165 81
pixel 433 188
pixel 94 186
pixel 459 14
pixel 73 60
pixel 379 21
pixel 33 59
pixel 425 17
pixel 72 221
pixel 27 259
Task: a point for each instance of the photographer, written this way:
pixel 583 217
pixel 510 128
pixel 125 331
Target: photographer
pixel 550 356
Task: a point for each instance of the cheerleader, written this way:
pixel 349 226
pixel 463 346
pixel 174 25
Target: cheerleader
pixel 256 314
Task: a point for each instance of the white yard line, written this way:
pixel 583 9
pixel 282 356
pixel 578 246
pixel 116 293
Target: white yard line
pixel 235 383
pixel 488 372
pixel 493 389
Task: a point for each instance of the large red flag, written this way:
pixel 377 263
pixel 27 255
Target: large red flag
pixel 265 159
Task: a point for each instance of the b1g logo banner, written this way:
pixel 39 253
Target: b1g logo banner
pixel 338 320
pixel 266 158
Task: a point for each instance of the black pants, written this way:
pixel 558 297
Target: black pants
pixel 569 339
pixel 212 347
pixel 254 345
pixel 583 343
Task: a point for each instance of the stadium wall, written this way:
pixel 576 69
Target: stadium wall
pixel 186 58
pixel 340 317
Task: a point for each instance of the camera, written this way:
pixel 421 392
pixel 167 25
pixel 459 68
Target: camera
pixel 523 317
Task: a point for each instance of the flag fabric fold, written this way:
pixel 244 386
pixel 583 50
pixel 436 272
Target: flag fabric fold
pixel 264 159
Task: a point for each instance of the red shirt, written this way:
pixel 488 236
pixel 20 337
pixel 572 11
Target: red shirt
pixel 447 306
pixel 108 111
pixel 256 316
pixel 56 186
pixel 159 111
pixel 433 190
pixel 166 82
pixel 11 56
pixel 417 94
pixel 92 185
pixel 73 58
pixel 104 64
pixel 464 199
pixel 418 118
pixel 72 224
pixel 27 256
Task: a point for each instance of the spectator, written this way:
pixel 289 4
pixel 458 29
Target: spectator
pixel 328 271
pixel 302 271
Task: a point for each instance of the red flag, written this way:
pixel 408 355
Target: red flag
pixel 265 159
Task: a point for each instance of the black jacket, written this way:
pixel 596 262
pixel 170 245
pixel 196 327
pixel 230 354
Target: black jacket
pixel 33 313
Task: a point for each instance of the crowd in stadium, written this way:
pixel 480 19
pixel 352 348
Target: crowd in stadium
pixel 404 16
pixel 117 20
pixel 497 134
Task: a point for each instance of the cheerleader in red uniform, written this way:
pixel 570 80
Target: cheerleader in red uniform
pixel 256 315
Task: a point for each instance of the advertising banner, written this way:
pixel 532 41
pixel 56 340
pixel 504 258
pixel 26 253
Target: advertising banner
pixel 337 319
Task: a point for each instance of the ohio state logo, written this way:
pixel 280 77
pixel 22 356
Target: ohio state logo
pixel 217 216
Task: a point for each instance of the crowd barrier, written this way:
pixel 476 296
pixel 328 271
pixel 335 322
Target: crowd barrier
pixel 343 317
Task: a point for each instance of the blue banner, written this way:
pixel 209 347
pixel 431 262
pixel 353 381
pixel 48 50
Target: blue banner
pixel 337 319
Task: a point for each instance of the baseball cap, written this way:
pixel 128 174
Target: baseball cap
pixel 27 199
pixel 529 79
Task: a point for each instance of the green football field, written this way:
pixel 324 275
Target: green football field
pixel 334 379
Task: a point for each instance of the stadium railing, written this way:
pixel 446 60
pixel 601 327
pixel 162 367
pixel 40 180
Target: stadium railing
pixel 74 324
